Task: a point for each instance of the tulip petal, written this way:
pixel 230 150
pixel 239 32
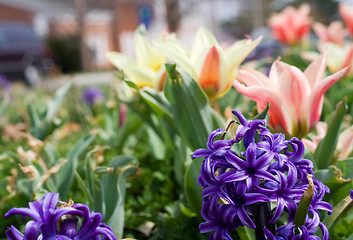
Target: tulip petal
pixel 309 144
pixel 139 75
pixel 213 72
pixel 321 31
pixel 345 140
pixel 349 58
pixel 316 97
pixel 210 70
pixel 315 71
pixel 345 11
pixel 146 55
pixel 252 77
pixel 279 118
pixel 173 52
pixel 236 53
pixel 293 89
pixel 203 39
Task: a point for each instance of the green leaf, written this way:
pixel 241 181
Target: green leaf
pixel 346 167
pixel 245 233
pixel 155 100
pixel 111 193
pixel 337 212
pixel 83 187
pixel 157 145
pixel 263 114
pixel 55 102
pixel 34 119
pixel 302 210
pixel 332 178
pixel 192 114
pixel 114 185
pixel 182 159
pixel 193 190
pixel 325 151
pixel 67 172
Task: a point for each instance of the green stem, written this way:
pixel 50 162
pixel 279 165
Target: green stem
pixel 262 214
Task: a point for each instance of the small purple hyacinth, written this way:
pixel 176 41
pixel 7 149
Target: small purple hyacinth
pixel 92 95
pixel 5 87
pixel 253 179
pixel 4 83
pixel 54 222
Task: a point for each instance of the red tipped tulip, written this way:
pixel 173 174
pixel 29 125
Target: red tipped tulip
pixel 291 25
pixel 295 97
pixel 346 12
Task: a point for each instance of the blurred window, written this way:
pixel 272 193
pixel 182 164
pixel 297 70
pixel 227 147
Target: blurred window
pixel 17 35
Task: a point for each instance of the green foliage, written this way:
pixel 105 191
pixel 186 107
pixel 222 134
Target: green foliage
pixel 326 148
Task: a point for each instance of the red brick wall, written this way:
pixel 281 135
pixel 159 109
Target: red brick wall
pixel 125 19
pixel 8 13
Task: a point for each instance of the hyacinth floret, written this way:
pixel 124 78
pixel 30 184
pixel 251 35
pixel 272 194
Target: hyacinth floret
pixel 258 167
pixel 50 222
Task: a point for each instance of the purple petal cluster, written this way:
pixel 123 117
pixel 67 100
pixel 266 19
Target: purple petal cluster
pixel 49 221
pixel 92 95
pixel 4 83
pixel 253 168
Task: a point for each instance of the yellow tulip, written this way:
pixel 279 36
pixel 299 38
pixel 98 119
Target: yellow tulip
pixel 207 63
pixel 148 68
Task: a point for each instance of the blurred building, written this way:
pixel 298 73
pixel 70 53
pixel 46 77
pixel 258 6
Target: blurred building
pixel 104 25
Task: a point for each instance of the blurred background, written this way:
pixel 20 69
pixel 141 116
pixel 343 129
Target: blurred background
pixel 49 37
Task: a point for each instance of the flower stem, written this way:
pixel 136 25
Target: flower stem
pixel 262 214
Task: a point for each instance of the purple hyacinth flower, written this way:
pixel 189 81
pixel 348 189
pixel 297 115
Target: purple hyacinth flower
pixel 92 95
pixel 4 83
pixel 251 169
pixel 253 179
pixel 46 215
pixel 220 218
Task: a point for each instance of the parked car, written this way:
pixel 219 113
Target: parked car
pixel 23 55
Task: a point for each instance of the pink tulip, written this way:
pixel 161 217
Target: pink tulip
pixel 346 12
pixel 344 145
pixel 334 33
pixel 295 97
pixel 291 25
pixel 321 129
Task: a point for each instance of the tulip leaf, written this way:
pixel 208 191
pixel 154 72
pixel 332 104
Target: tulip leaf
pixel 158 123
pixel 332 178
pixel 55 102
pixel 325 151
pixel 67 172
pixel 153 99
pixel 192 113
pixel 182 159
pixel 337 212
pixel 114 188
pixel 264 114
pixel 111 194
pixel 346 167
pixel 192 188
pixel 83 187
pixel 193 119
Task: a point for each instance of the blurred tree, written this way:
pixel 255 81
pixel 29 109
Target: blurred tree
pixel 253 15
pixel 81 9
pixel 323 11
pixel 173 15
